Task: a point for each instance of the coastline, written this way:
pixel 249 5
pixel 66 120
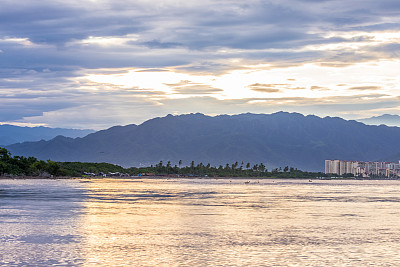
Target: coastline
pixel 186 178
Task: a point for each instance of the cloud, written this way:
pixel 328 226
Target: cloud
pixel 319 88
pixel 197 89
pixel 273 88
pixel 264 88
pixel 158 44
pixel 191 88
pixel 105 111
pixel 152 70
pixel 198 30
pixel 47 48
pixel 361 88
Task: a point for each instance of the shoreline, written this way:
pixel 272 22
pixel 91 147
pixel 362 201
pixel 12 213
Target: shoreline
pixel 187 178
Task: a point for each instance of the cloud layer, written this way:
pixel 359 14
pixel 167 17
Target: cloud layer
pixel 121 62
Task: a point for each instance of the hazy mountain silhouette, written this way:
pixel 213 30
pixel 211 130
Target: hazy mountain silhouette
pixel 10 134
pixel 277 139
pixel 386 119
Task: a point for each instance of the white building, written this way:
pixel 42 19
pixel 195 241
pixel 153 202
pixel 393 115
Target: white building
pixel 364 169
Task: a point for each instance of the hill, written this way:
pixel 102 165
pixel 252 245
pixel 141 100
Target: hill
pixel 11 134
pixel 276 140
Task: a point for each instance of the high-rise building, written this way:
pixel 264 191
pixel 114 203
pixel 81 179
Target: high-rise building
pixel 364 169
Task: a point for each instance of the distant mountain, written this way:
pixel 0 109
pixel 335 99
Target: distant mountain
pixel 276 140
pixel 10 134
pixel 386 119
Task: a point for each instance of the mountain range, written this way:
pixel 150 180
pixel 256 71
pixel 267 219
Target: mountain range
pixel 386 119
pixel 10 134
pixel 276 140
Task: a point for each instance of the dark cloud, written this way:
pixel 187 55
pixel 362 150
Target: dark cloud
pixel 158 44
pixel 55 22
pixel 195 32
pixel 377 27
pixel 15 108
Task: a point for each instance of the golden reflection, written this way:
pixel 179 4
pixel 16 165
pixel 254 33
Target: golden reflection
pixel 201 222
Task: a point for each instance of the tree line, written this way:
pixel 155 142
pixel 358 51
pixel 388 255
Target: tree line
pixel 30 166
pixel 228 170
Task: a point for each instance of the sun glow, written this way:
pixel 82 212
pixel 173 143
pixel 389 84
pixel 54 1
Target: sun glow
pixel 308 80
pixel 108 40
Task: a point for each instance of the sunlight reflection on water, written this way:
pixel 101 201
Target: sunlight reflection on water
pixel 199 222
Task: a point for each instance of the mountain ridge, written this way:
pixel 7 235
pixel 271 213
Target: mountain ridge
pixel 385 119
pixel 11 134
pixel 277 139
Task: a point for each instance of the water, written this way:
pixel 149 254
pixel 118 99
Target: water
pixel 199 222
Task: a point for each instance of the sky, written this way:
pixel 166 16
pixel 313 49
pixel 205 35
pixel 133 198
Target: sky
pixel 93 64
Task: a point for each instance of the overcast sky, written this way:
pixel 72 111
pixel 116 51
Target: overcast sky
pixel 95 64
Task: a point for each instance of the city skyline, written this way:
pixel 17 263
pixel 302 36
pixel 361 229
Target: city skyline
pixel 363 168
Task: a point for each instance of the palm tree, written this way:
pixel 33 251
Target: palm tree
pixel 261 167
pixel 286 169
pixel 235 165
pixel 255 167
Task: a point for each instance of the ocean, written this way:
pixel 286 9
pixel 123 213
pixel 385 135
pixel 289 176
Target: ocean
pixel 199 222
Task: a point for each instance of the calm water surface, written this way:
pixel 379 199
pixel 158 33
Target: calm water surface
pixel 199 222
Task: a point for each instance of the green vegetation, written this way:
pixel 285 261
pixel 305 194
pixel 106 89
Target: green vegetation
pixel 193 170
pixel 19 165
pixel 229 170
pixel 77 169
pixel 32 167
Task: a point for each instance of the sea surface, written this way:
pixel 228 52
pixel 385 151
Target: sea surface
pixel 199 222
